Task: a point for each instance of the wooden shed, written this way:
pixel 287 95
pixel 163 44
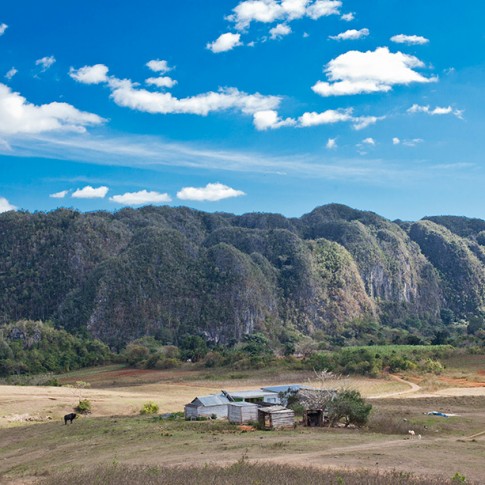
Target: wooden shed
pixel 207 406
pixel 276 417
pixel 242 412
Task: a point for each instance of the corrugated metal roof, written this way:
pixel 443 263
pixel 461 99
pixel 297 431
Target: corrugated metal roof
pixel 212 400
pixel 251 394
pixel 285 387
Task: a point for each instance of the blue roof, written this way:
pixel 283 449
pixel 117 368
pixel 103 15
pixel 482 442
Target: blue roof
pixel 285 388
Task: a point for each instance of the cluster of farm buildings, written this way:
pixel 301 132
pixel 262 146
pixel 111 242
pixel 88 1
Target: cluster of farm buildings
pixel 266 406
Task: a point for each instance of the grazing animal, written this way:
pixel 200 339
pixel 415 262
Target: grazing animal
pixel 411 432
pixel 69 417
pixel 419 436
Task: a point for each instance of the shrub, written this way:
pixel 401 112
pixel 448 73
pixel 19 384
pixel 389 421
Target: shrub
pixel 84 406
pixel 149 408
pixel 350 406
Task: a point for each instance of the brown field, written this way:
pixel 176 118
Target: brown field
pixel 34 443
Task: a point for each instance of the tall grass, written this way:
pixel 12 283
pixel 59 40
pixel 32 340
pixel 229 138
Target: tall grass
pixel 240 473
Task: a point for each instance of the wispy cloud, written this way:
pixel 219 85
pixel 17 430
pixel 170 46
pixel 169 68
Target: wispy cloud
pixel 3 28
pixel 351 34
pixel 437 111
pixel 45 62
pixel 11 73
pixel 59 195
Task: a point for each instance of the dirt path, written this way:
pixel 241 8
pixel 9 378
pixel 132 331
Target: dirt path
pixel 412 389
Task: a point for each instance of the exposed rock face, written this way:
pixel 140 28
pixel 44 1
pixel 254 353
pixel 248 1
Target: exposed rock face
pixel 170 272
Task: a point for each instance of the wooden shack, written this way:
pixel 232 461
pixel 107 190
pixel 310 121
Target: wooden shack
pixel 314 418
pixel 207 406
pixel 242 412
pixel 275 417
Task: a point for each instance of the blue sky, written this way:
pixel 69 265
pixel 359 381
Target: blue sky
pixel 243 105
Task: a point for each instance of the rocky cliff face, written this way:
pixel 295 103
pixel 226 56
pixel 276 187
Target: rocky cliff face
pixel 171 272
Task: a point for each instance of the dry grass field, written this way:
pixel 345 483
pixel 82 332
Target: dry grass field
pixel 35 445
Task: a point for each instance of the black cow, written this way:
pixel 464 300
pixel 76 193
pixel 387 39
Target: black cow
pixel 69 417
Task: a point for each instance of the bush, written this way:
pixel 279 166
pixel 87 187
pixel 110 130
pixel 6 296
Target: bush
pixel 84 406
pixel 350 406
pixel 149 408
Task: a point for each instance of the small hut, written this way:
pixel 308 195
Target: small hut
pixel 314 418
pixel 275 417
pixel 242 412
pixel 207 406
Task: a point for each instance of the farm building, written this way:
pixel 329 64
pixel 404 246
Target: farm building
pixel 276 417
pixel 207 406
pixel 315 418
pixel 293 388
pixel 242 412
pixel 258 396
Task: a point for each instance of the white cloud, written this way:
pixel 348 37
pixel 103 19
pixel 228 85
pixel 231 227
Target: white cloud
pixel 11 73
pixel 331 144
pixel 18 116
pixel 90 74
pixel 269 119
pixel 279 31
pixel 225 42
pixel 124 93
pixel 356 72
pixel 161 82
pixel 348 17
pixel 211 192
pixel 158 65
pixel 89 192
pixel 140 198
pixel 351 34
pixel 59 195
pixel 45 62
pixel 335 116
pixel 439 110
pixel 413 142
pixel 396 141
pixel 409 39
pixel 369 141
pixel 5 205
pixel 269 11
pixel 3 28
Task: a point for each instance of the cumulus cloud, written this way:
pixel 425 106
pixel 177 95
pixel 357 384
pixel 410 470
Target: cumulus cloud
pixel 89 192
pixel 351 34
pixel 269 11
pixel 11 73
pixel 161 82
pixel 211 193
pixel 45 62
pixel 331 144
pixel 269 119
pixel 124 93
pixel 409 39
pixel 59 195
pixel 348 17
pixel 369 141
pixel 356 72
pixel 225 42
pixel 6 206
pixel 90 74
pixel 279 31
pixel 396 141
pixel 439 110
pixel 3 28
pixel 158 65
pixel 141 198
pixel 128 94
pixel 18 116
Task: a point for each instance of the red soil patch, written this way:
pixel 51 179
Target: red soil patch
pixel 461 382
pixel 481 372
